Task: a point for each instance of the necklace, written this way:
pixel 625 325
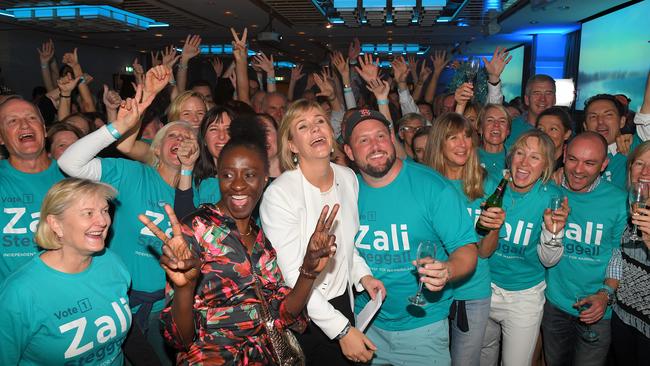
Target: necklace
pixel 250 230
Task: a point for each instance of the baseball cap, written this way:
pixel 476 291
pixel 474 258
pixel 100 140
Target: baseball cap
pixel 360 116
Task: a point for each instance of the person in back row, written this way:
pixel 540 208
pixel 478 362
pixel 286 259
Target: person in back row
pixel 539 95
pixel 402 203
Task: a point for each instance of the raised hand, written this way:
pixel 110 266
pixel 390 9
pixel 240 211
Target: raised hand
pixel 239 50
pixel 354 49
pixel 380 88
pixel 156 79
pixel 413 66
pixel 67 84
pixel 46 52
pixel 179 262
pixel 131 110
pixel 340 63
pixel 425 71
pixel 296 73
pixel 324 84
pixel 169 57
pixel 495 66
pixel 155 58
pixel 190 48
pixel 188 152
pixel 464 93
pixel 264 63
pixel 367 69
pixel 71 59
pixel 400 69
pixel 138 70
pixel 111 99
pixel 624 143
pixel 439 60
pixel 217 66
pixel 322 244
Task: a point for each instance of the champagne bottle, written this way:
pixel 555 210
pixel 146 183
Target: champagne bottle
pixel 495 200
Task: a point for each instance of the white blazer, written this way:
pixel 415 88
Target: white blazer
pixel 289 211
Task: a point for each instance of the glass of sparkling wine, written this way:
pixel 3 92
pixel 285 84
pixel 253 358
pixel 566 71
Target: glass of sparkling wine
pixel 638 196
pixel 588 334
pixel 473 66
pixel 426 249
pixel 555 204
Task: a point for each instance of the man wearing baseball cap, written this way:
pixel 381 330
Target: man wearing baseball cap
pixel 401 204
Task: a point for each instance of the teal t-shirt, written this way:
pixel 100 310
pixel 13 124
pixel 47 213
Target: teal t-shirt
pixel 207 192
pixel 55 318
pixel 418 205
pixel 515 265
pixel 616 171
pixel 517 128
pixel 494 163
pixel 477 285
pixel 141 190
pixel 21 195
pixel 594 228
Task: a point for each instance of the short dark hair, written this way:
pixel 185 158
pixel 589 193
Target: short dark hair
pixel 560 113
pixel 60 127
pixel 619 107
pixel 539 78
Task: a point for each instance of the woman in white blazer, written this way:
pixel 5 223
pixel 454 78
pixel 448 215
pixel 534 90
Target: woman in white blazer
pixel 290 209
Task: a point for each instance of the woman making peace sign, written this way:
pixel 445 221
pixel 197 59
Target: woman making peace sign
pixel 217 258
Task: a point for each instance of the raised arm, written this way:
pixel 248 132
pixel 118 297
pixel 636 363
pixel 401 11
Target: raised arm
pixel 440 60
pixel 71 59
pixel 217 66
pixel 66 85
pixel 112 102
pixel 240 53
pixel 494 68
pixel 138 72
pixel 343 67
pixel 425 71
pixel 380 89
pixel 401 71
pixel 191 48
pixel 642 119
pixel 46 54
pixel 296 74
pixel 266 64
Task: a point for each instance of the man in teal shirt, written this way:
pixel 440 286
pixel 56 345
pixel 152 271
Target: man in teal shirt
pixel 24 179
pixel 594 227
pixel 401 204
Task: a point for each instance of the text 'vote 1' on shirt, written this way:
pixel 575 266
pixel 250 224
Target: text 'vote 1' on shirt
pixel 594 228
pixel 21 195
pixel 141 190
pixel 55 318
pixel 418 205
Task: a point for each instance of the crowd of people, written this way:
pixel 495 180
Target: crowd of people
pixel 251 222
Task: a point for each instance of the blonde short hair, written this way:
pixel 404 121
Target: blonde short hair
pixel 174 112
pixel 295 110
pixel 547 150
pixel 154 161
pixel 638 151
pixel 59 198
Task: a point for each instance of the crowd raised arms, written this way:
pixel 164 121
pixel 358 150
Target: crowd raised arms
pixel 174 226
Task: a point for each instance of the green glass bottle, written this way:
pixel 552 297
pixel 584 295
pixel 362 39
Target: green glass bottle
pixel 495 200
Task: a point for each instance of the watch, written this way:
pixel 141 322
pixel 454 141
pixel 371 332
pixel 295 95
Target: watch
pixel 344 332
pixel 610 292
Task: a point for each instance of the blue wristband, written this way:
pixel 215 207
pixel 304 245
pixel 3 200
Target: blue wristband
pixel 382 101
pixel 347 90
pixel 186 172
pixel 81 79
pixel 270 80
pixel 113 131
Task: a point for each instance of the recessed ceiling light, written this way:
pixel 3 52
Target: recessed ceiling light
pixel 84 36
pixel 533 22
pixel 143 51
pixel 328 25
pixel 253 25
pixel 311 40
pixel 227 12
pixel 301 33
pixel 389 31
pixel 390 38
pixel 302 50
pixel 158 35
pixel 292 44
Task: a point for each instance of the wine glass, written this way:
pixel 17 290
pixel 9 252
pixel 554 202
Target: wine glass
pixel 638 196
pixel 426 249
pixel 473 65
pixel 588 334
pixel 555 204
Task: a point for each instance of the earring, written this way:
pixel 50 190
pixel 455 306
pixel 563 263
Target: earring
pixel 332 151
pixel 295 158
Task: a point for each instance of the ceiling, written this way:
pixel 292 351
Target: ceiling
pixel 305 36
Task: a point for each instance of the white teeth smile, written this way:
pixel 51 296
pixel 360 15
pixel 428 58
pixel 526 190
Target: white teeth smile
pixel 318 140
pixel 25 136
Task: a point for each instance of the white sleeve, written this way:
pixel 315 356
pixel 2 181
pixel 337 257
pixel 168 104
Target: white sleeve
pixel 549 255
pixel 360 268
pixel 642 122
pixel 350 101
pixel 281 224
pixel 495 96
pixel 335 120
pixel 79 159
pixel 407 103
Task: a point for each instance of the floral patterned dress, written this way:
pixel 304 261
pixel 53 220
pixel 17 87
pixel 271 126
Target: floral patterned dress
pixel 228 326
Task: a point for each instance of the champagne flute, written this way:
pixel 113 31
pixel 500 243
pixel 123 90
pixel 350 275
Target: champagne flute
pixel 473 65
pixel 638 196
pixel 555 204
pixel 426 249
pixel 588 334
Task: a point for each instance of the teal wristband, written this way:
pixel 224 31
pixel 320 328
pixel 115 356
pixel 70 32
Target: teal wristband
pixel 270 80
pixel 81 79
pixel 382 101
pixel 186 172
pixel 347 90
pixel 113 131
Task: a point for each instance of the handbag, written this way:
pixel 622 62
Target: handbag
pixel 285 347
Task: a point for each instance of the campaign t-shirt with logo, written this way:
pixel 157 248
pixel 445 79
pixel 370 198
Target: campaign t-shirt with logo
pixel 515 265
pixel 50 317
pixel 207 192
pixel 418 205
pixel 616 171
pixel 494 163
pixel 517 128
pixel 21 195
pixel 594 228
pixel 477 285
pixel 141 190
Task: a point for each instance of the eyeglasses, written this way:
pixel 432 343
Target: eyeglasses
pixel 410 129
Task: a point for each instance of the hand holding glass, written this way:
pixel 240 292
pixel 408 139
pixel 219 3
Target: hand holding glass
pixel 473 65
pixel 426 249
pixel 638 196
pixel 588 334
pixel 554 205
